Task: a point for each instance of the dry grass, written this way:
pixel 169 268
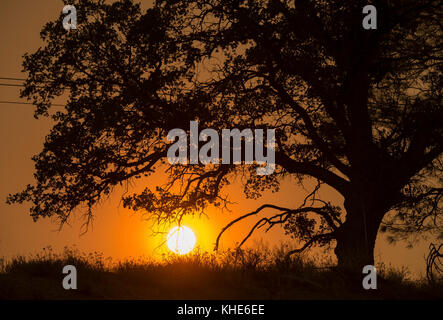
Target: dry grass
pixel 232 274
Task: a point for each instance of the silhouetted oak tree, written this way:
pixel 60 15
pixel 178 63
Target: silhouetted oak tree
pixel 359 110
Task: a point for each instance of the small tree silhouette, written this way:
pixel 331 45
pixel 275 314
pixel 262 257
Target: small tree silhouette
pixel 358 110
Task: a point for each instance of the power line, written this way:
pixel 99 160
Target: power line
pixel 13 79
pixel 29 103
pixel 21 85
pixel 11 85
pixel 15 102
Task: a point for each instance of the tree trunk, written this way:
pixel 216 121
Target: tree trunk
pixel 356 238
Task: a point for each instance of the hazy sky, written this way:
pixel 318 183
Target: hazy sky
pixel 116 231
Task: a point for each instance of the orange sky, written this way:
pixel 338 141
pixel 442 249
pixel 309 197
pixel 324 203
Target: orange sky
pixel 116 232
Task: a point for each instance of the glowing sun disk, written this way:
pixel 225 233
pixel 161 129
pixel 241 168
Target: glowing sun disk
pixel 180 240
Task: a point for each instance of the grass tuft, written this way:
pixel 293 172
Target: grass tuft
pixel 231 274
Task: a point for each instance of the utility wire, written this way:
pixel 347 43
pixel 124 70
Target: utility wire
pixel 13 79
pixel 11 85
pixel 23 85
pixel 19 85
pixel 17 102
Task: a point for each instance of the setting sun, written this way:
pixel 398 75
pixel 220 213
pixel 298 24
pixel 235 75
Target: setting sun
pixel 181 240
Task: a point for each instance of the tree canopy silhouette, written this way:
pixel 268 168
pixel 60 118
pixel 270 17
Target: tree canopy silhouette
pixel 358 110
